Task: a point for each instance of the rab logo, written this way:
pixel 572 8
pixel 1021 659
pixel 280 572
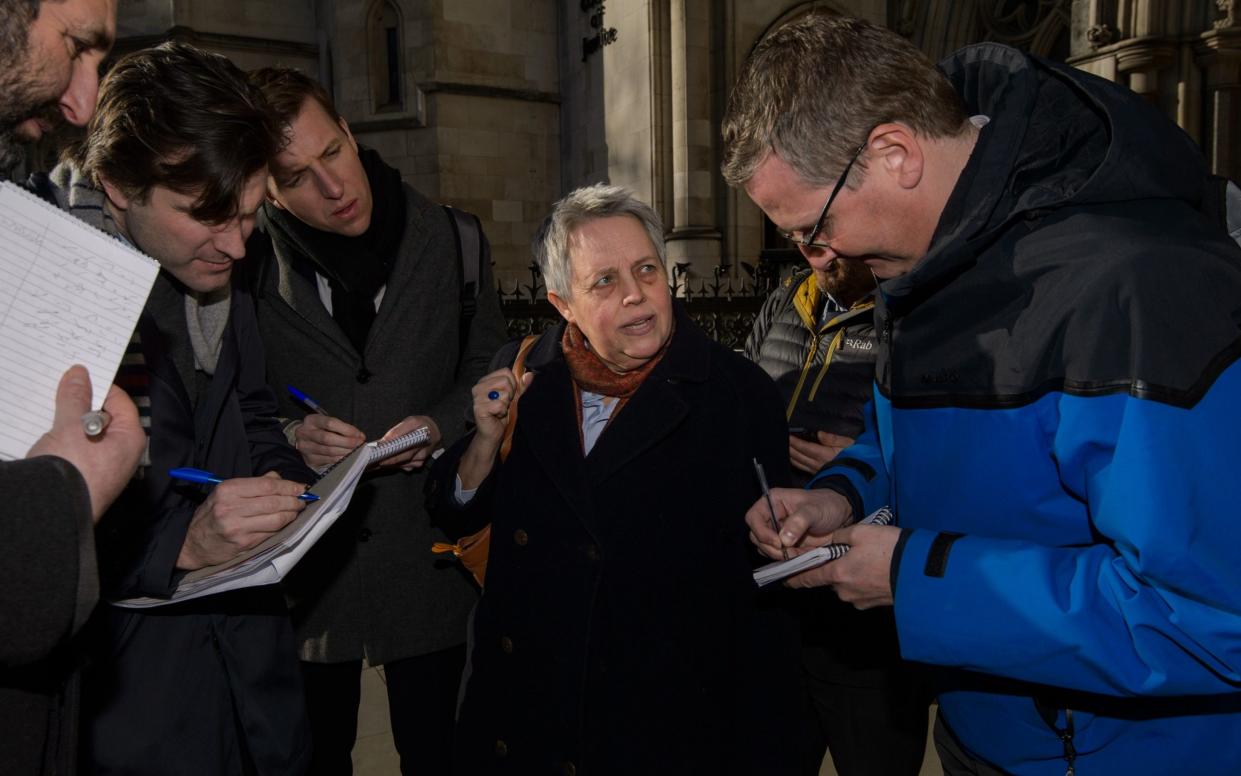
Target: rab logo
pixel 859 344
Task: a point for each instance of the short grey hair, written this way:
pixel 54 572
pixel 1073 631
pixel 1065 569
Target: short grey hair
pixel 589 203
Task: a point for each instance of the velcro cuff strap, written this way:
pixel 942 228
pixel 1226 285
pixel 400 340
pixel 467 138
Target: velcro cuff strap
pixel 937 556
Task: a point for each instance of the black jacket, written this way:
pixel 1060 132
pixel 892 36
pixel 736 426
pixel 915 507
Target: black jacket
pixel 620 629
pixel 199 687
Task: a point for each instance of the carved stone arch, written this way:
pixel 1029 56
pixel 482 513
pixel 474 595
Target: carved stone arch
pixel 385 44
pixel 1037 26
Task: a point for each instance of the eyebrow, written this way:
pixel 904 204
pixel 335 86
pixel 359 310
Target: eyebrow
pixel 95 37
pixel 289 172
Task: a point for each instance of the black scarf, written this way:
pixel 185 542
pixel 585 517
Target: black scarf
pixel 356 267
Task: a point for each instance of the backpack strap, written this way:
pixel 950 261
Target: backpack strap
pixel 468 233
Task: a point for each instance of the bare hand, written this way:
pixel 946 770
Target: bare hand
pixel 323 440
pixel 811 457
pixel 238 514
pixel 414 457
pixel 807 519
pixel 491 415
pixel 863 576
pixel 107 461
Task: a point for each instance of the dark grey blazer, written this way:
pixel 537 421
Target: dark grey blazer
pixel 371 587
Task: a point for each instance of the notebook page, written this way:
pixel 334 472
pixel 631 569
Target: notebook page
pixel 69 294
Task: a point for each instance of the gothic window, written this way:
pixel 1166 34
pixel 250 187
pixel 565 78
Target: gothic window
pixel 384 48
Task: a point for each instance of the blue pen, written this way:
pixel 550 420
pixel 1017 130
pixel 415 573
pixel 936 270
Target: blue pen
pixel 304 399
pixel 198 475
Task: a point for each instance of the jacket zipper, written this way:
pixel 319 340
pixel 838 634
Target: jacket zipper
pixel 827 361
pixel 805 370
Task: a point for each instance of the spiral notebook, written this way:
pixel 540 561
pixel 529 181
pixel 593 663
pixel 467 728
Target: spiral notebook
pixel 269 561
pixel 774 572
pixel 69 294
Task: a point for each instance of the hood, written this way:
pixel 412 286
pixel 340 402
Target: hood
pixel 1057 136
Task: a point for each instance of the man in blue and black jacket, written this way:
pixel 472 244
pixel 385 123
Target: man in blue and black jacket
pixel 1056 400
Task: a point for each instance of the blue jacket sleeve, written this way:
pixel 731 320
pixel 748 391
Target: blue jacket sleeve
pixel 1144 602
pixel 859 472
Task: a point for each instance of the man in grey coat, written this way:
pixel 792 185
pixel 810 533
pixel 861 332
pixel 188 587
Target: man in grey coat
pixel 360 307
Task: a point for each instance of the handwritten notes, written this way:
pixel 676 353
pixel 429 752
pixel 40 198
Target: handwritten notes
pixel 69 294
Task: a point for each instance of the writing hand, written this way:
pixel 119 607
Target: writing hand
pixel 323 440
pixel 238 514
pixel 806 518
pixel 106 461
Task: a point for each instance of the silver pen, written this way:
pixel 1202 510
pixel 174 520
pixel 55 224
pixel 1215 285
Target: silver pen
pixel 775 526
pixel 94 422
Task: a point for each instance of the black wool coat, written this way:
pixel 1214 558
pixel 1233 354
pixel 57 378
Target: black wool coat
pixel 202 686
pixel 620 631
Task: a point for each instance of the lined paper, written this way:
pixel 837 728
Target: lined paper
pixel 69 294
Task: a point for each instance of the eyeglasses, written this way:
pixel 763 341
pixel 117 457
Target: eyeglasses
pixel 807 240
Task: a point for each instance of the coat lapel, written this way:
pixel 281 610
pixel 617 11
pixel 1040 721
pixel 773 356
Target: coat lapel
pixel 409 253
pixel 657 407
pixel 547 424
pixel 296 286
pixel 207 414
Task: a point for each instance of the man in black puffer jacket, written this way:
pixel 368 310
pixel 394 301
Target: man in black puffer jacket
pixel 815 337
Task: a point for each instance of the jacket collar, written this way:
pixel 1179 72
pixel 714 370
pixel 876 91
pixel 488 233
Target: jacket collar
pixel 297 287
pixel 656 410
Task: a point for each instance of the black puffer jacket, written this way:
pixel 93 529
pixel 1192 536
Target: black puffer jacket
pixel 825 373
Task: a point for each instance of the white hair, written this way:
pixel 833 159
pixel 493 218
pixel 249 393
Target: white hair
pixel 589 203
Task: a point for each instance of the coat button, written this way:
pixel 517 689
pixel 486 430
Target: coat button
pixel 521 537
pixel 501 748
pixel 568 769
pixel 364 375
pixel 506 645
pixel 364 534
pixel 592 552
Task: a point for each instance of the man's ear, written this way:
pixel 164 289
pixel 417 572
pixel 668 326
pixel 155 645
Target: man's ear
pixel 561 306
pixel 271 193
pixel 895 149
pixel 114 194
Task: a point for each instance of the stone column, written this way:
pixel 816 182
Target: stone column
pixel 1219 54
pixel 693 235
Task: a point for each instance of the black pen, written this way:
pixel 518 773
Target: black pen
pixel 775 526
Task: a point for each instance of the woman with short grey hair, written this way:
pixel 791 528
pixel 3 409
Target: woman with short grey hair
pixel 620 625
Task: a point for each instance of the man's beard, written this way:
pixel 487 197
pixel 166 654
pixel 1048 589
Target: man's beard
pixel 20 100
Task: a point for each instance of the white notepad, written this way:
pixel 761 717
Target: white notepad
pixel 774 572
pixel 269 561
pixel 69 294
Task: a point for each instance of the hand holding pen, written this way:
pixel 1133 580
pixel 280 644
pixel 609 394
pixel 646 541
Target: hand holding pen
pixel 320 438
pixel 236 515
pixel 762 481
